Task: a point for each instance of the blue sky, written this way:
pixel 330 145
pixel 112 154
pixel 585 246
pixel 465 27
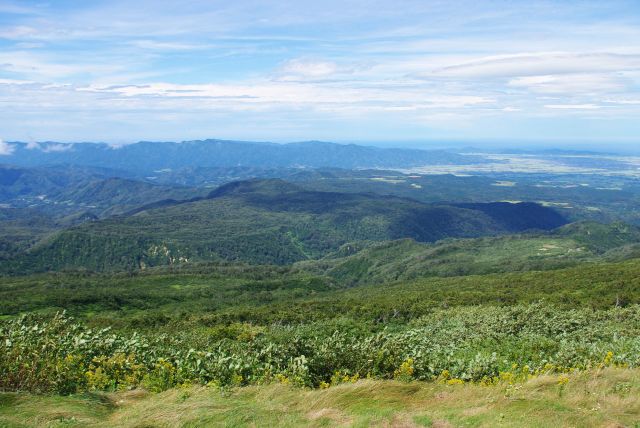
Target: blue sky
pixel 420 72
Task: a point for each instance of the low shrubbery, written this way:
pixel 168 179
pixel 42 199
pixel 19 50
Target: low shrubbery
pixel 466 344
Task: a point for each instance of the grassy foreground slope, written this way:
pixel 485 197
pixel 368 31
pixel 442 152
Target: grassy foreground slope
pixel 601 398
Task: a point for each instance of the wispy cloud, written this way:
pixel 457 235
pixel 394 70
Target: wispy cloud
pixel 299 68
pixel 167 46
pixel 573 106
pixel 545 63
pixel 405 69
pixel 6 148
pixel 48 68
pixel 574 84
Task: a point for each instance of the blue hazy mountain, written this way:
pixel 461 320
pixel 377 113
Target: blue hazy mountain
pixel 153 156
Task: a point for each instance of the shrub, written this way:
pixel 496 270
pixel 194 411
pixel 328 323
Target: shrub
pixel 475 344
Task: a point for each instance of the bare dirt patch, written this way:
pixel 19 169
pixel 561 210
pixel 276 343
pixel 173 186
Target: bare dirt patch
pixel 335 415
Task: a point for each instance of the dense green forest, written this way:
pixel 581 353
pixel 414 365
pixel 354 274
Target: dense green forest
pixel 268 221
pixel 317 285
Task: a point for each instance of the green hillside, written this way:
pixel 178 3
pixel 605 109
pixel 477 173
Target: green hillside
pixel 240 336
pixel 268 294
pixel 407 259
pixel 21 228
pixel 235 328
pixel 268 221
pixel 64 190
pixel 601 238
pixel 37 202
pixel 372 306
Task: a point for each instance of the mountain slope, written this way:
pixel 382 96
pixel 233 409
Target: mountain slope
pixel 35 202
pixel 264 221
pixel 407 259
pixel 63 190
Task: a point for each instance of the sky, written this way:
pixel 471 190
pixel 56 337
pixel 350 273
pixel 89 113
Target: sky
pixel 392 72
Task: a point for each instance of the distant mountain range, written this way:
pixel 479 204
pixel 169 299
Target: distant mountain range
pixel 153 157
pixel 66 190
pixel 97 207
pixel 268 222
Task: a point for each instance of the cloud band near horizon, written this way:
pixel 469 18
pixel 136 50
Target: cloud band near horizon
pixel 345 71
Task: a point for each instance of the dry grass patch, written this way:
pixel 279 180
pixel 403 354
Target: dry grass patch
pixel 601 398
pixel 335 416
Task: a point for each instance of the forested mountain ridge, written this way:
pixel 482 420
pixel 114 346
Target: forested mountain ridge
pixel 269 221
pixel 62 190
pixel 406 259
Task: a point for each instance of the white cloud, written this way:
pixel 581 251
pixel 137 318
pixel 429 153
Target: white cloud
pixel 39 67
pixel 15 82
pixel 302 69
pixel 33 145
pixel 51 148
pixel 277 94
pixel 572 83
pixel 29 45
pixel 307 68
pixel 97 64
pixel 532 81
pixel 573 106
pixel 17 32
pixel 48 147
pixel 167 46
pixel 6 149
pixel 541 64
pixel 622 101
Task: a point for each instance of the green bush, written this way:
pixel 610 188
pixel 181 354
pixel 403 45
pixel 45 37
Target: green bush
pixel 476 344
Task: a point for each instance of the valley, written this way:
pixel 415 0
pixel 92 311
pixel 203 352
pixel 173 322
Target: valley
pixel 389 214
pixel 120 289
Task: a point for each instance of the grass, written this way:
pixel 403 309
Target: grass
pixel 609 398
pixel 408 260
pixel 266 295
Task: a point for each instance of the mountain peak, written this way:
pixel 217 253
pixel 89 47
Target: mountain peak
pixel 265 186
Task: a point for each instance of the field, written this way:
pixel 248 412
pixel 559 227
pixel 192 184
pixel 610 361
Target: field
pixel 606 398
